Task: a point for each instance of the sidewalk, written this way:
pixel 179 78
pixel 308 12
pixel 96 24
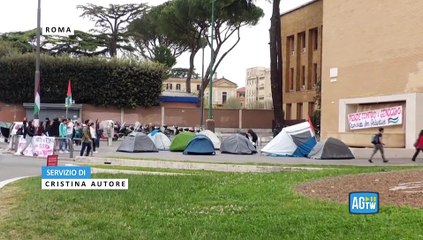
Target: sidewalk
pixel 396 157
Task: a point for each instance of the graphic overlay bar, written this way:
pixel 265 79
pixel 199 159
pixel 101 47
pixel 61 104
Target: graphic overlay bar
pixel 66 172
pixel 84 184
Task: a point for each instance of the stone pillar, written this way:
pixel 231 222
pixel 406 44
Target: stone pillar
pixel 210 124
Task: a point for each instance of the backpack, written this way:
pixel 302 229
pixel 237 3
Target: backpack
pixel 375 139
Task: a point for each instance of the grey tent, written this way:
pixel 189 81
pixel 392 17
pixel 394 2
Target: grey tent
pixel 137 142
pixel 332 148
pixel 237 144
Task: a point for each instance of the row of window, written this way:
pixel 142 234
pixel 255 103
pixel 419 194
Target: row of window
pixel 169 86
pixel 299 112
pixel 300 80
pixel 313 41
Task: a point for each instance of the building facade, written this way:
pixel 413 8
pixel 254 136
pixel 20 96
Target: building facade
pixel 175 84
pixel 240 94
pixel 223 89
pixel 302 59
pixel 258 91
pixel 371 68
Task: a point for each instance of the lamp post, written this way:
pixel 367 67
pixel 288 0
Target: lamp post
pixel 37 68
pixel 210 121
pixel 202 89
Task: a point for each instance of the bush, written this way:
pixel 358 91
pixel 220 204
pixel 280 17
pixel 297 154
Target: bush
pixel 120 83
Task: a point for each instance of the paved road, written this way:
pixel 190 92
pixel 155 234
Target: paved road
pixel 12 166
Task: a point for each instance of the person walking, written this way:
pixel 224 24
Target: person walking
pixel 63 137
pixel 86 138
pixel 418 145
pixel 378 145
pixel 69 134
pixel 29 133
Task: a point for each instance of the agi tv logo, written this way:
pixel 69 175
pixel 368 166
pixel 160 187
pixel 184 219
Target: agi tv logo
pixel 364 202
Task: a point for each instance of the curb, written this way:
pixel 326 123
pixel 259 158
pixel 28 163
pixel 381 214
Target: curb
pixel 5 182
pixel 221 167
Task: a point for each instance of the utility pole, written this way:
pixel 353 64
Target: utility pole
pixel 37 69
pixel 210 121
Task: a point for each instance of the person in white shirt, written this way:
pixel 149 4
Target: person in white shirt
pixel 93 136
pixel 69 131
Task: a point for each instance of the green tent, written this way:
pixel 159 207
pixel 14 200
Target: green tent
pixel 181 141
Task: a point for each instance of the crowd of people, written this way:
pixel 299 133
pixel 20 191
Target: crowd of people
pixel 86 134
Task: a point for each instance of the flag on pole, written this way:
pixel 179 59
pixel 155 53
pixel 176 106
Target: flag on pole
pixel 37 100
pixel 311 126
pixel 68 101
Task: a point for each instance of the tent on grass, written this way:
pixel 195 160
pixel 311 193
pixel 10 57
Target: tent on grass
pixel 137 142
pixel 293 141
pixel 160 140
pixel 212 136
pixel 180 142
pixel 332 148
pixel 237 144
pixel 200 145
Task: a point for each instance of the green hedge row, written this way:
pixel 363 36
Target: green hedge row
pixel 120 83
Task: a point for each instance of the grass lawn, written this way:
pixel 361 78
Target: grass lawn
pixel 208 205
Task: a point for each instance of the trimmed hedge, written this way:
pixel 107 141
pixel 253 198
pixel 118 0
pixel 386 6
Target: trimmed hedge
pixel 120 83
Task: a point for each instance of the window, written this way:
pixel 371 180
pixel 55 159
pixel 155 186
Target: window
pixel 178 86
pixel 290 47
pixel 299 111
pixel 302 41
pixel 169 86
pixel 224 97
pixel 315 74
pixel 303 79
pixel 288 112
pixel 310 108
pixel 291 79
pixel 314 38
pixel 198 87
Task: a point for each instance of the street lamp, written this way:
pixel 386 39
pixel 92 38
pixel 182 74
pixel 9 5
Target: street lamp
pixel 37 69
pixel 211 64
pixel 210 121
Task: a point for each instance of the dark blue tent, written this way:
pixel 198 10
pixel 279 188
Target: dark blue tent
pixel 200 145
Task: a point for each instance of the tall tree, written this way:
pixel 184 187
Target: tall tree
pixel 111 23
pixel 23 42
pixel 80 44
pixel 187 22
pixel 150 39
pixel 276 67
pixel 276 64
pixel 230 17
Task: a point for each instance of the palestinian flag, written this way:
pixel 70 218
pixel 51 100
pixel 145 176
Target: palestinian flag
pixel 69 101
pixel 37 100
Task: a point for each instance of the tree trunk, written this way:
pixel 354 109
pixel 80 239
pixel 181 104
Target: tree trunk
pixel 276 67
pixel 191 70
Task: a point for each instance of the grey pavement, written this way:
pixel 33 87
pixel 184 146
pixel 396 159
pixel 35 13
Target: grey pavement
pixel 14 166
pixel 397 157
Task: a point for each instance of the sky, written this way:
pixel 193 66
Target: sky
pixel 251 51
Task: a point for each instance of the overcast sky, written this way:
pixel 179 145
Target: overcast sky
pixel 251 51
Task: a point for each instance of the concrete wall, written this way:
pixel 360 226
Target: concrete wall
pixel 11 112
pixel 372 49
pixel 184 117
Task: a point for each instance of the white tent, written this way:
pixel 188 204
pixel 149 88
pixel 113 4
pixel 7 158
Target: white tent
pixel 293 141
pixel 160 140
pixel 212 136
